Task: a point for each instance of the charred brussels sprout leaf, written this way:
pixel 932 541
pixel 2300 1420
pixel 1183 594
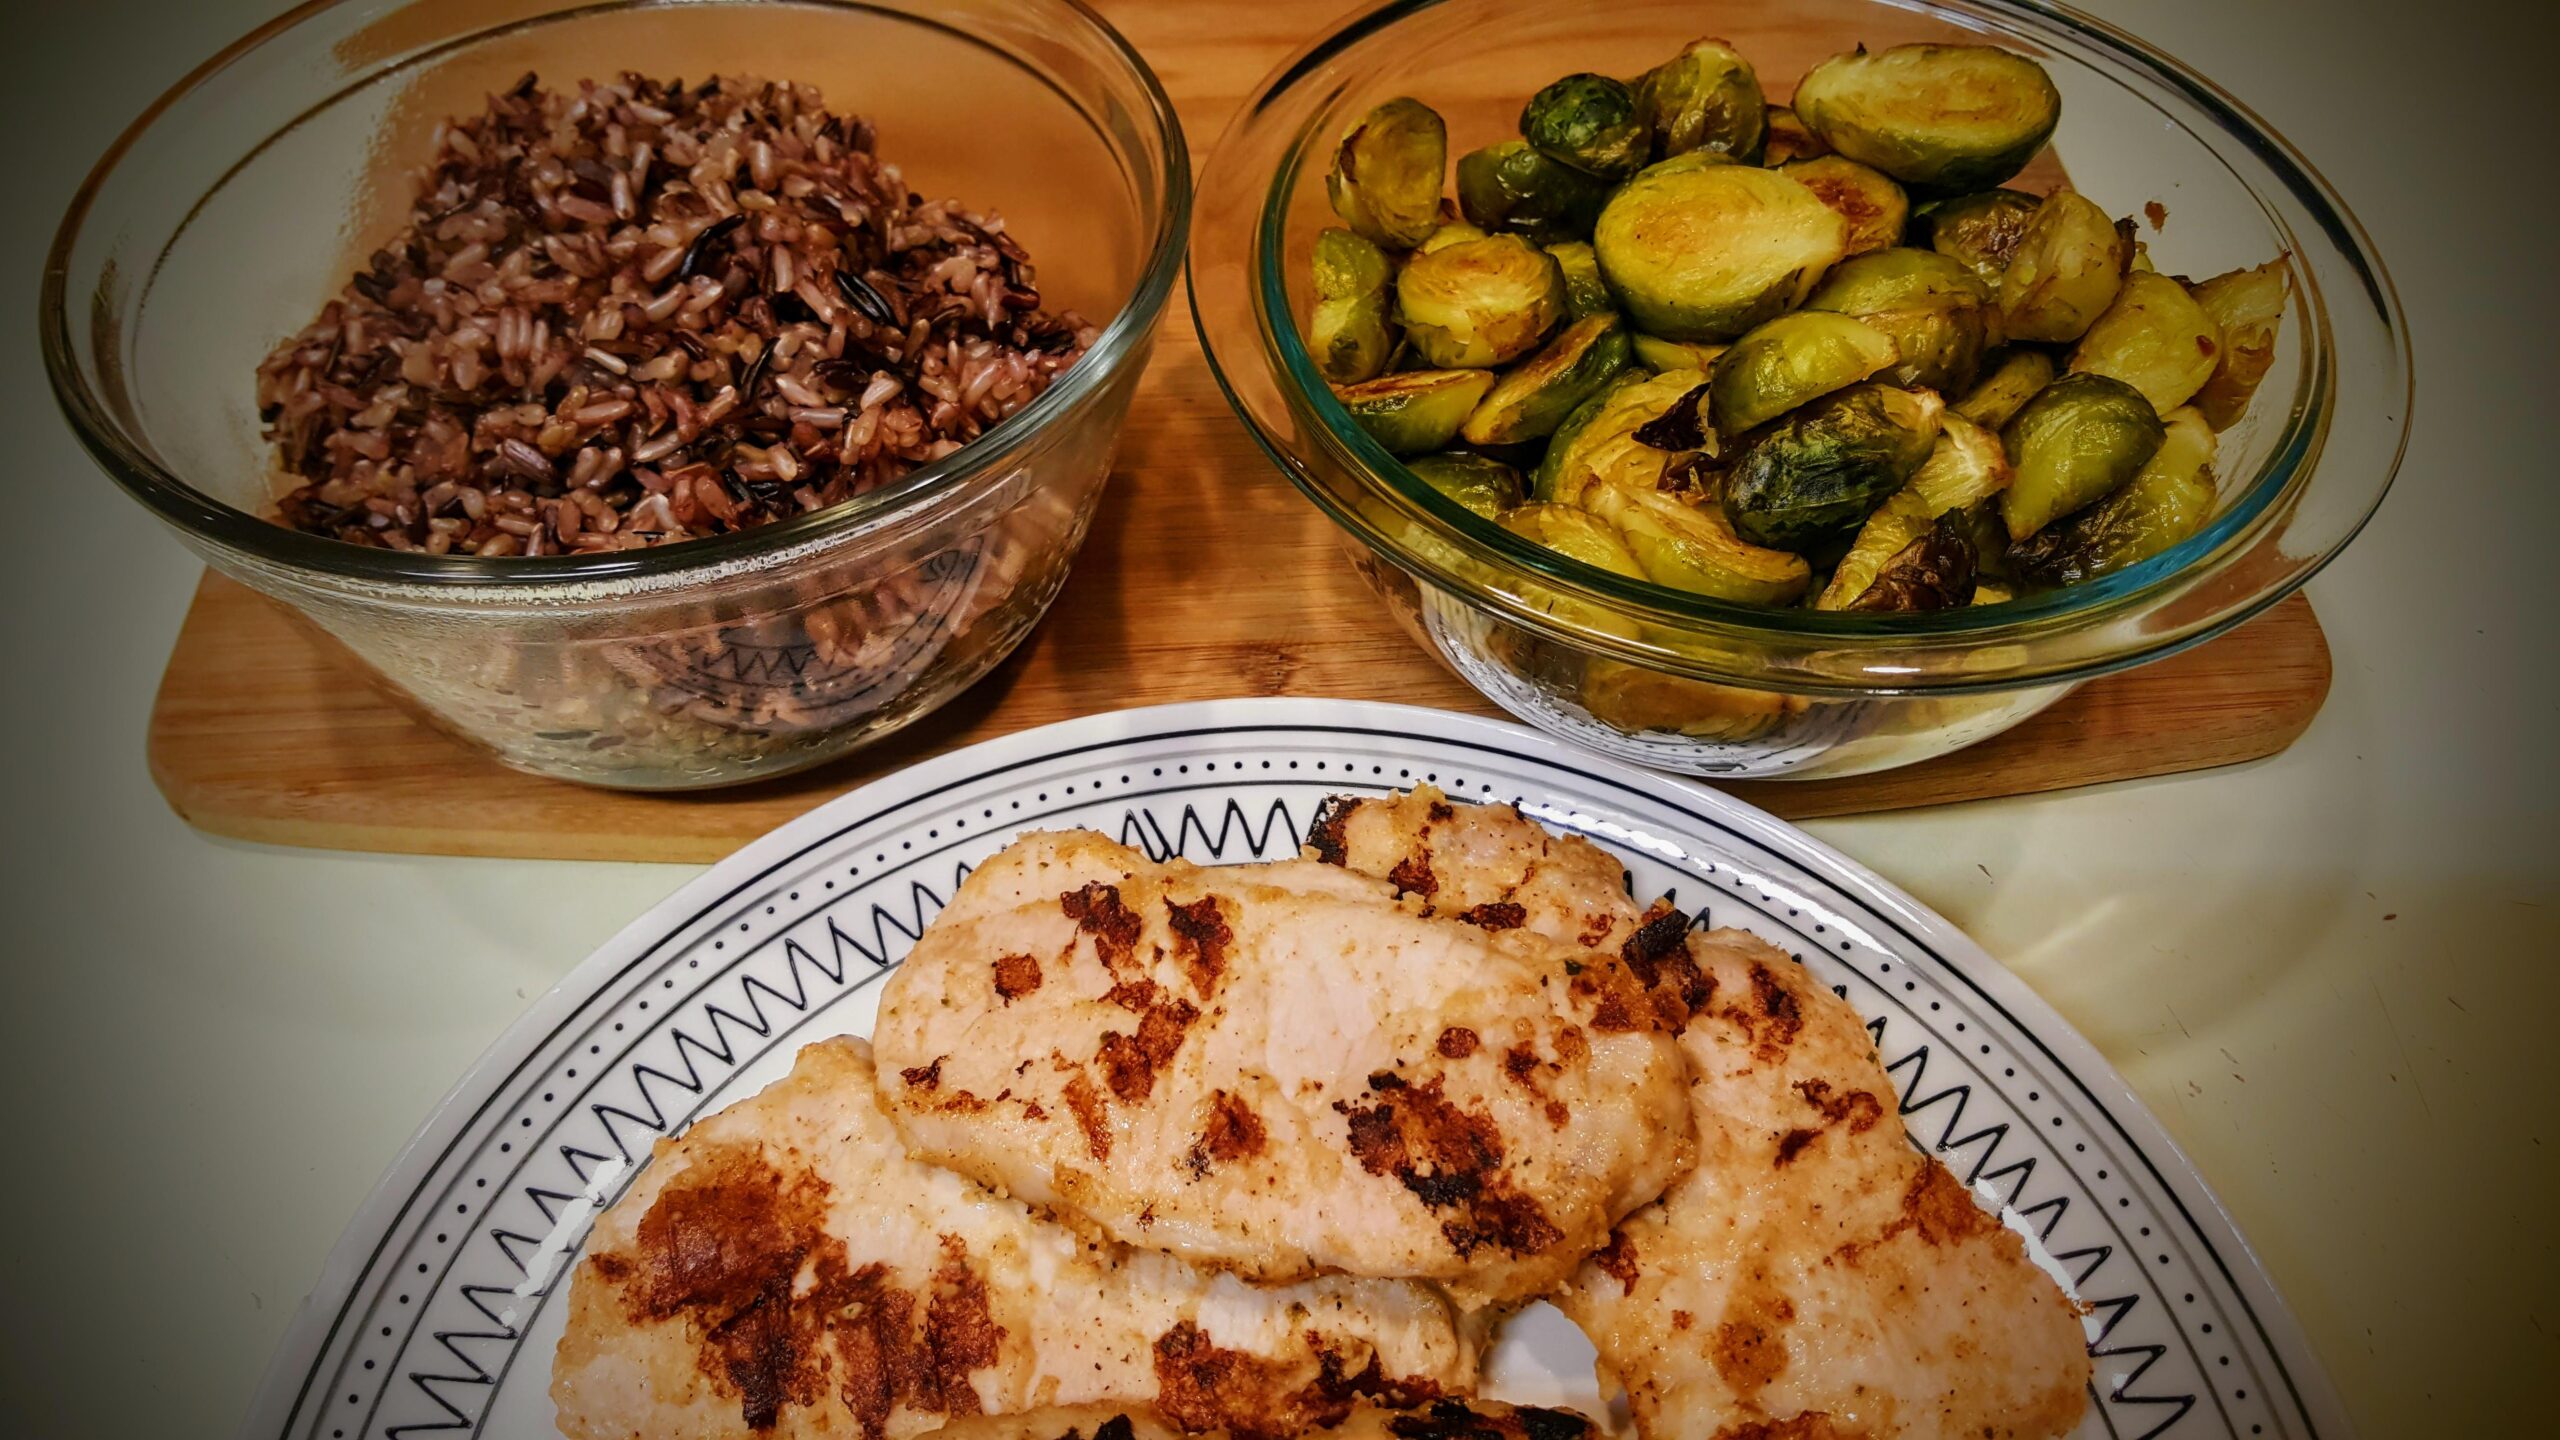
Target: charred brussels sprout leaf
pixel 1597 443
pixel 1575 533
pixel 1981 230
pixel 1874 207
pixel 1657 354
pixel 1347 331
pixel 1385 181
pixel 2065 272
pixel 1479 302
pixel 1937 314
pixel 1703 251
pixel 1510 186
pixel 1588 122
pixel 1966 468
pixel 1417 411
pixel 2006 390
pixel 1815 475
pixel 1691 548
pixel 2155 338
pixel 2248 305
pixel 1530 401
pixel 1452 232
pixel 1790 360
pixel 1585 293
pixel 1707 97
pixel 2168 501
pixel 1934 572
pixel 1945 118
pixel 1789 139
pixel 1479 483
pixel 2078 439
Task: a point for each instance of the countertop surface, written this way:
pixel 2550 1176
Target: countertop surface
pixel 2333 974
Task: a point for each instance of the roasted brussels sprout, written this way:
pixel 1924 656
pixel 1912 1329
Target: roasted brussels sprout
pixel 1788 139
pixel 1585 293
pixel 1946 118
pixel 2249 306
pixel 1511 186
pixel 1700 251
pixel 1478 482
pixel 1633 698
pixel 2080 437
pixel 1790 360
pixel 1417 411
pixel 1479 302
pixel 1937 313
pixel 1451 232
pixel 1707 97
pixel 1981 230
pixel 1597 441
pixel 1590 123
pixel 2167 502
pixel 2006 390
pixel 1816 474
pixel 1657 354
pixel 1874 207
pixel 1966 468
pixel 1576 533
pixel 2065 272
pixel 2155 338
pixel 1693 548
pixel 1534 397
pixel 1385 181
pixel 1933 572
pixel 1347 332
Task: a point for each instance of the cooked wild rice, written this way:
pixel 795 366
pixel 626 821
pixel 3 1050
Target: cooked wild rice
pixel 642 313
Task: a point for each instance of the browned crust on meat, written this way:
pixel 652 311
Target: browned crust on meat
pixel 1457 1043
pixel 1097 911
pixel 1130 1062
pixel 1496 915
pixel 1451 1160
pixel 1200 940
pixel 1412 876
pixel 1459 1420
pixel 1860 1109
pixel 1748 1346
pixel 1770 1018
pixel 1794 1427
pixel 1324 837
pixel 1657 954
pixel 924 1077
pixel 1233 1132
pixel 1016 976
pixel 1938 1207
pixel 1617 1260
pixel 1085 1103
pixel 1202 1386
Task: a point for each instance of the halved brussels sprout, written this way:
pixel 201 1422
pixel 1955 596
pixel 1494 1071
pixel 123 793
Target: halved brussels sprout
pixel 1590 123
pixel 1480 483
pixel 1597 441
pixel 2006 390
pixel 1385 181
pixel 1693 548
pixel 1703 251
pixel 1657 354
pixel 1510 186
pixel 1949 118
pixel 1479 302
pixel 2249 306
pixel 1865 197
pixel 1585 293
pixel 2167 502
pixel 1416 411
pixel 2065 271
pixel 1635 699
pixel 1815 475
pixel 1965 469
pixel 2080 437
pixel 1451 232
pixel 1707 97
pixel 1576 533
pixel 1535 396
pixel 1981 230
pixel 1790 360
pixel 1347 332
pixel 1933 572
pixel 1789 138
pixel 1937 313
pixel 2155 338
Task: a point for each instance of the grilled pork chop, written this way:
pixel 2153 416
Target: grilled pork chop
pixel 1282 1070
pixel 1438 1420
pixel 785 1270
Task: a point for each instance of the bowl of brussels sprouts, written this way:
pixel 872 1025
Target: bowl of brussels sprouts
pixel 1815 394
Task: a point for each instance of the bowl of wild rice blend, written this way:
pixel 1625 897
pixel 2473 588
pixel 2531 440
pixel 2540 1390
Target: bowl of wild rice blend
pixel 656 396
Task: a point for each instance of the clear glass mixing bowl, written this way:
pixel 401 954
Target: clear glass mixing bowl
pixel 242 200
pixel 1670 679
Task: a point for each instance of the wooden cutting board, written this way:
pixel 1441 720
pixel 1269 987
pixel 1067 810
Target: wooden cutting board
pixel 1206 576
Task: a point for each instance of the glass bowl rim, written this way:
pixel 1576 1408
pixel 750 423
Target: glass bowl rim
pixel 2281 477
pixel 312 557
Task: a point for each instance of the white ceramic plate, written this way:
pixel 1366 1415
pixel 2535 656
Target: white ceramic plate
pixel 431 1317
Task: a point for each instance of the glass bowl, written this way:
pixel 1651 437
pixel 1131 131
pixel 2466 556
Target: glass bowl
pixel 1667 678
pixel 242 200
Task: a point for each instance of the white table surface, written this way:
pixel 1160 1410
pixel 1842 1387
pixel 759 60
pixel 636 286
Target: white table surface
pixel 2335 975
